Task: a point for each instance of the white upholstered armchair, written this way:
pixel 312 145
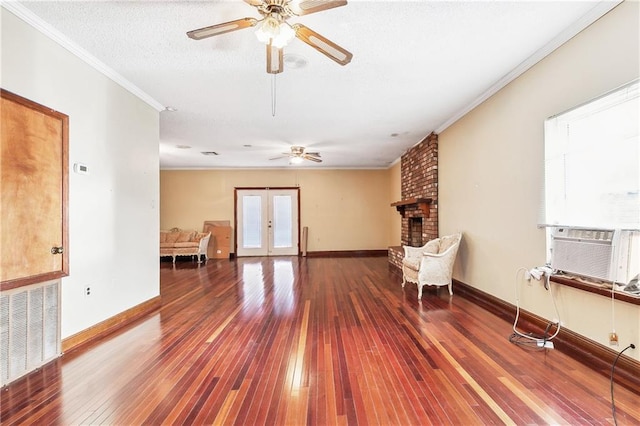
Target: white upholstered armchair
pixel 431 264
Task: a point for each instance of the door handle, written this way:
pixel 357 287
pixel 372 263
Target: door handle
pixel 57 250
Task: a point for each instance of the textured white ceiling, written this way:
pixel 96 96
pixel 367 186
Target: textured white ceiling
pixel 416 66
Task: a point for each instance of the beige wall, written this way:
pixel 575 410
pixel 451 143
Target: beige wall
pixel 344 209
pixel 491 174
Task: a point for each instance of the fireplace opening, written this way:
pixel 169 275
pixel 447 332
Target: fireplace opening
pixel 415 231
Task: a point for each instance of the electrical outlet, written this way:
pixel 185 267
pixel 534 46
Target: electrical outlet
pixel 613 339
pixel 87 291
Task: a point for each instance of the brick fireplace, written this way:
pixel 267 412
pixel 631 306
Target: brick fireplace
pixel 419 192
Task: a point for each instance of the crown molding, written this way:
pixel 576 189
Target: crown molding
pixel 36 22
pixel 275 168
pixel 567 34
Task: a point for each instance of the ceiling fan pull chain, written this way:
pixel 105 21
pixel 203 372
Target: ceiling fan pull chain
pixel 273 95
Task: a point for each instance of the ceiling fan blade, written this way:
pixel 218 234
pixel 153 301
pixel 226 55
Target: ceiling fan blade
pixel 306 7
pixel 279 157
pixel 275 61
pixel 223 28
pixel 314 154
pixel 322 44
pixel 312 158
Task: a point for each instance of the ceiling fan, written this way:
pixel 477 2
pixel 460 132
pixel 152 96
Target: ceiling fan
pixel 297 155
pixel 276 32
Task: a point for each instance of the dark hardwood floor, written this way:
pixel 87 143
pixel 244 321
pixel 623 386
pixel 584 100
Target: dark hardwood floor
pixel 315 341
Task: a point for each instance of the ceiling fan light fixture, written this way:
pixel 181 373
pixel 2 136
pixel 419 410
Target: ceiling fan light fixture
pixel 296 160
pixel 275 30
pixel 286 35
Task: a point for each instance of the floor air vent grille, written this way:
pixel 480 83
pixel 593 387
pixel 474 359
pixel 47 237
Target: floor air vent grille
pixel 29 329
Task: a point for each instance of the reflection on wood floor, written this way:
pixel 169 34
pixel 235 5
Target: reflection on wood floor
pixel 316 341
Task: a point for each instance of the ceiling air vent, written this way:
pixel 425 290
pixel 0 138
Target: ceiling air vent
pixel 209 153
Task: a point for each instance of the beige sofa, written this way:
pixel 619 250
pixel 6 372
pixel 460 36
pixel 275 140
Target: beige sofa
pixel 178 242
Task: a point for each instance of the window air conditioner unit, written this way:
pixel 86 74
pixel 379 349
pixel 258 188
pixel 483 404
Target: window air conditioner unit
pixel 604 254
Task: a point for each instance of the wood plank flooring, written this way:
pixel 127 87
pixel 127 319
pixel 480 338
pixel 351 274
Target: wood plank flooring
pixel 297 341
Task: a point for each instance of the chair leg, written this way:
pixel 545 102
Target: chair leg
pixel 450 289
pixel 419 292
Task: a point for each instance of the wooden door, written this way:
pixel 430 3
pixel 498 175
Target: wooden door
pixel 34 192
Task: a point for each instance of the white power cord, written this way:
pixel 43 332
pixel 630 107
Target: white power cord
pixel 547 273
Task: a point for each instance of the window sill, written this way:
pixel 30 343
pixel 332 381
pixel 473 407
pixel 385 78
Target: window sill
pixel 596 288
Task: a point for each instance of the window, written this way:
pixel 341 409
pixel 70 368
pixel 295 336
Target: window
pixel 592 177
pixel 592 163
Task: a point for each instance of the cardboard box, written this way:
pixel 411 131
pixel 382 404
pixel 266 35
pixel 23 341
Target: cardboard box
pixel 215 223
pixel 220 242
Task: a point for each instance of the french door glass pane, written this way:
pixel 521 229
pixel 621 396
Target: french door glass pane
pixel 251 221
pixel 282 221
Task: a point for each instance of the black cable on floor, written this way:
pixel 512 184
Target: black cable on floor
pixel 613 367
pixel 523 342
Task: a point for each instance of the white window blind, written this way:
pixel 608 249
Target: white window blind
pixel 251 221
pixel 282 221
pixel 592 163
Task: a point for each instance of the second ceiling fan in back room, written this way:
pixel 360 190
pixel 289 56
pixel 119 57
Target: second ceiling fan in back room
pixel 276 32
pixel 298 155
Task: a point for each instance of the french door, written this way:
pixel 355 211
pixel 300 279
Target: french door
pixel 267 222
